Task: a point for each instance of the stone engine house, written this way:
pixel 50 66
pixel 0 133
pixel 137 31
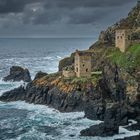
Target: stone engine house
pixel 82 64
pixel 123 39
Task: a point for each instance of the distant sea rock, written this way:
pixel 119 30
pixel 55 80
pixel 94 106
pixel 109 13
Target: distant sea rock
pixel 18 74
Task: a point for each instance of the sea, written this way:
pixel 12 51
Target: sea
pixel 23 121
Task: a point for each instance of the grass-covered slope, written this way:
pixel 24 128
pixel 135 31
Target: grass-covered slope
pixel 128 60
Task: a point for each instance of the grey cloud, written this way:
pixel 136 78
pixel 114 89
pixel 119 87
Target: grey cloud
pixel 85 3
pixel 77 11
pixel 15 6
pixel 15 15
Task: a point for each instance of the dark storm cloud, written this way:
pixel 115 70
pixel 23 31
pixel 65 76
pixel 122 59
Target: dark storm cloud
pixel 85 3
pixel 53 15
pixel 60 11
pixel 15 6
pixel 7 6
pixel 77 11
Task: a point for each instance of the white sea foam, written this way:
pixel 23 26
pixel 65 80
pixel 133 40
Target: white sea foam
pixel 66 123
pixel 6 86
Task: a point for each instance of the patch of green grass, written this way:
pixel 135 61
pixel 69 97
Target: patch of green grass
pixel 80 80
pixel 84 80
pixel 128 60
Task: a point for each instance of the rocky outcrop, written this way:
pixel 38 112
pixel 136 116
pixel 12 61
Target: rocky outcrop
pixel 18 74
pixel 14 95
pixel 111 87
pixel 50 96
pixel 113 115
pixel 39 75
pixel 101 130
pixel 131 138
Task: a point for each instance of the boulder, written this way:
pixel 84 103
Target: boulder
pixel 39 75
pixel 18 74
pixel 101 130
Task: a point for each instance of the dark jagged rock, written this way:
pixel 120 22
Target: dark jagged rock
pixel 95 110
pixel 113 115
pixel 14 95
pixel 101 130
pixel 39 75
pixel 18 74
pixel 133 127
pixel 111 88
pixel 131 138
pixel 117 113
pixel 44 95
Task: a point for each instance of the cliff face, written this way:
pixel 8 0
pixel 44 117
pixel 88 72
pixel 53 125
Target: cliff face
pixel 107 38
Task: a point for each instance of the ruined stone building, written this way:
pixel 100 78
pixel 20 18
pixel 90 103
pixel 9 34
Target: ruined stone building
pixel 123 39
pixel 69 72
pixel 82 64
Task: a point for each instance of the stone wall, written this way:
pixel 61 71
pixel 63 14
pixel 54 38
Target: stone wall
pixel 68 74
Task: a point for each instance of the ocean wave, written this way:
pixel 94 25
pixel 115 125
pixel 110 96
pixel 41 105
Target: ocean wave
pixel 43 119
pixel 48 64
pixel 6 86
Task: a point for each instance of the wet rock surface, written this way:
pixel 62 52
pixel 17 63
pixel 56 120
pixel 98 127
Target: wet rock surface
pixel 18 74
pixel 40 74
pixel 52 97
pixel 101 130
pixel 131 138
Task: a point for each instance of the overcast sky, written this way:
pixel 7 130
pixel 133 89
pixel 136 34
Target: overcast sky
pixel 60 18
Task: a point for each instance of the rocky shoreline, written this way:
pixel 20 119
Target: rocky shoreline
pixel 100 105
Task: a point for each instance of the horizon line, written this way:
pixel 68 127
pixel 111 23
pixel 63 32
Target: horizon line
pixel 46 37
